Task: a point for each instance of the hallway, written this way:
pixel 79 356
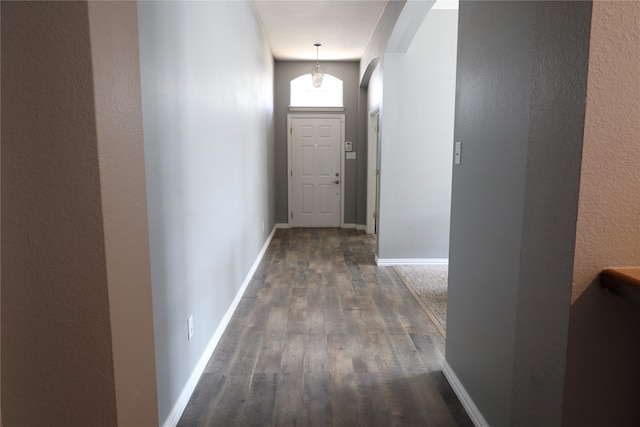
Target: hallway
pixel 323 336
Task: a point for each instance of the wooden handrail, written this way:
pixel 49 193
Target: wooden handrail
pixel 624 282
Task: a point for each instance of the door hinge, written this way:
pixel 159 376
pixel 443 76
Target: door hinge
pixel 291 130
pixel 291 172
pixel 375 215
pixel 377 172
pixel 377 128
pixel 291 215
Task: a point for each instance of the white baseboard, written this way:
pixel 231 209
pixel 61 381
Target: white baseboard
pixel 410 261
pixel 466 400
pixel 183 399
pixel 356 226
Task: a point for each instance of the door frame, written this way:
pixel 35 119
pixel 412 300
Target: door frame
pixel 291 117
pixel 373 164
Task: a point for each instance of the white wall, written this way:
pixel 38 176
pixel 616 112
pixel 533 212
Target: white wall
pixel 374 90
pixel 207 88
pixel 416 142
pixel 380 37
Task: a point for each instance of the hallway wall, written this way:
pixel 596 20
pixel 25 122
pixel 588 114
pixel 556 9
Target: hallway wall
pixel 521 84
pixel 207 90
pixel 417 142
pixel 285 71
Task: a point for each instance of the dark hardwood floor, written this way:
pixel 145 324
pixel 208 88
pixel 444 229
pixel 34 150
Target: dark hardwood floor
pixel 324 337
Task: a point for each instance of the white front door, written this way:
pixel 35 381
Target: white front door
pixel 315 172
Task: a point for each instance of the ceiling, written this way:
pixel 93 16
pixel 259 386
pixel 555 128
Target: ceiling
pixel 342 27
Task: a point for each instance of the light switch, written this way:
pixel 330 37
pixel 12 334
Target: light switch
pixel 456 158
pixel 351 155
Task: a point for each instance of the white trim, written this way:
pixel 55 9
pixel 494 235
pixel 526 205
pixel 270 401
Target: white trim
pixel 282 225
pixel 446 5
pixel 356 226
pixel 183 399
pixel 342 119
pixel 317 109
pixel 410 261
pixel 466 400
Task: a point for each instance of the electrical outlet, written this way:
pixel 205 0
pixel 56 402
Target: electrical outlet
pixel 190 325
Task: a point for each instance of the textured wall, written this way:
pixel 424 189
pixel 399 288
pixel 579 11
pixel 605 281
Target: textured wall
pixel 602 386
pixel 57 367
pixel 609 210
pixel 116 77
pixel 207 92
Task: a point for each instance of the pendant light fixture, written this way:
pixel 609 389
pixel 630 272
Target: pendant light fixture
pixel 317 72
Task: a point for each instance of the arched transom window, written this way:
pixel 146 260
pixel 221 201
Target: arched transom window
pixel 304 94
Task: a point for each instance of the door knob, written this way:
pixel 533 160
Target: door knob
pixel 336 182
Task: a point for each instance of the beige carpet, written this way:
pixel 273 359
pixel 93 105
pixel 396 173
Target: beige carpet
pixel 429 283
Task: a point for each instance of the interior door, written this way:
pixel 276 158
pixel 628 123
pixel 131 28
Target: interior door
pixel 315 172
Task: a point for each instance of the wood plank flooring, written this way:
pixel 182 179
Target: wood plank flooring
pixel 324 337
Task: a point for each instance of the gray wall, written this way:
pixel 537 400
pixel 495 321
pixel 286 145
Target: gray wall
pixel 519 115
pixel 550 210
pixel 286 71
pixel 416 140
pixel 207 89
